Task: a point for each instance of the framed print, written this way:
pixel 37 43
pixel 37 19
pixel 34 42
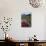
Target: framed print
pixel 26 20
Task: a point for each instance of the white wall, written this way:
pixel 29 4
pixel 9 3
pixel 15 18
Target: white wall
pixel 14 8
pixel 45 28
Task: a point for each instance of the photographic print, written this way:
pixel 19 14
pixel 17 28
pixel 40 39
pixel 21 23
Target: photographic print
pixel 26 20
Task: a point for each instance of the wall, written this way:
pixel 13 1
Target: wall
pixel 45 28
pixel 14 8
